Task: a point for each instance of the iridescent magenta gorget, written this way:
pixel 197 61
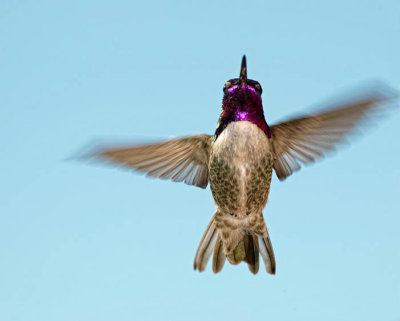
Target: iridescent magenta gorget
pixel 242 102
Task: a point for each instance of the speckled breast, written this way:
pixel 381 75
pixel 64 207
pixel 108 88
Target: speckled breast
pixel 241 169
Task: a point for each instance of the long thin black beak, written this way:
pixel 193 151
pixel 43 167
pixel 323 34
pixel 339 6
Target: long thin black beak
pixel 243 71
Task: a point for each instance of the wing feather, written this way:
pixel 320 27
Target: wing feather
pixel 305 139
pixel 183 159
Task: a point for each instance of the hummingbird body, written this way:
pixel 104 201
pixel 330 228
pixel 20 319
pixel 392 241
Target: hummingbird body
pixel 238 161
pixel 240 170
pixel 241 164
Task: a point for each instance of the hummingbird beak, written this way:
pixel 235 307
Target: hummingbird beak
pixel 243 72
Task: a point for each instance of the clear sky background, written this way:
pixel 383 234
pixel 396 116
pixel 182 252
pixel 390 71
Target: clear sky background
pixel 85 242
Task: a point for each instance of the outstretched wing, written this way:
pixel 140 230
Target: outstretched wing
pixel 183 159
pixel 305 139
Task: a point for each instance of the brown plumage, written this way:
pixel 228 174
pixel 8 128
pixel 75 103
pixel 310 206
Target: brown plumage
pixel 305 139
pixel 183 159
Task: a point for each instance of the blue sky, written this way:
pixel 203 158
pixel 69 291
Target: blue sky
pixel 84 242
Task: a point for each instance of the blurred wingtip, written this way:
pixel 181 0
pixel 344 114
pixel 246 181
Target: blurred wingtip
pixel 375 89
pixel 92 151
pixel 384 91
pixel 87 152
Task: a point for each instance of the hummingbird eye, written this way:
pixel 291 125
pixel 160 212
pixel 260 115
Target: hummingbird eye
pixel 227 85
pixel 258 88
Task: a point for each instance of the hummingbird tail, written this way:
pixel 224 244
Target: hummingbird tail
pixel 248 249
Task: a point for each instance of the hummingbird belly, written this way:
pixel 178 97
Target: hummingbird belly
pixel 240 171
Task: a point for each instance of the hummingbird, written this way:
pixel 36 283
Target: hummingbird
pixel 238 162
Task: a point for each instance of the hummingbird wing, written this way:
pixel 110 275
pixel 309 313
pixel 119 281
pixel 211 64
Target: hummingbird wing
pixel 305 139
pixel 183 159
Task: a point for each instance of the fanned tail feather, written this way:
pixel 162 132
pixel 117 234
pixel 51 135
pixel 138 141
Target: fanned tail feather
pixel 247 250
pixel 267 254
pixel 218 256
pixel 205 247
pixel 252 253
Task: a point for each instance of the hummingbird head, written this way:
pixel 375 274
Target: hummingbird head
pixel 242 94
pixel 242 102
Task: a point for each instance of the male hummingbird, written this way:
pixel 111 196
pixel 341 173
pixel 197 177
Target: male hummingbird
pixel 238 161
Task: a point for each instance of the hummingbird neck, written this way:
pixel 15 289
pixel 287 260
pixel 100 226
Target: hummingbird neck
pixel 254 116
pixel 233 111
